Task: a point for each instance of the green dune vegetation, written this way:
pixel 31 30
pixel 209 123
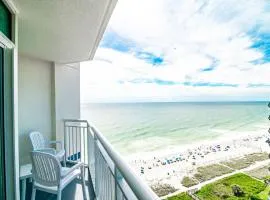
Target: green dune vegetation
pixel 246 161
pixel 181 196
pixel 211 171
pixel 163 189
pixel 236 187
pixel 261 173
pixel 189 181
pixel 249 185
pixel 205 173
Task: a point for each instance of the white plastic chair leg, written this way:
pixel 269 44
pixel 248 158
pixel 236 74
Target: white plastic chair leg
pixel 64 161
pixel 33 193
pixel 23 193
pixel 59 194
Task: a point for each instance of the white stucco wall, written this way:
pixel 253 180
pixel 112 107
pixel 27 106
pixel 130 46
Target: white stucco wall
pixel 48 93
pixel 35 102
pixel 66 94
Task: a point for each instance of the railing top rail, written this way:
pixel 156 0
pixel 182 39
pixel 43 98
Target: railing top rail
pixel 139 187
pixel 76 120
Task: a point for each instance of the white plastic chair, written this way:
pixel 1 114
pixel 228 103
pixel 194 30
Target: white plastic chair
pixel 49 176
pixel 39 142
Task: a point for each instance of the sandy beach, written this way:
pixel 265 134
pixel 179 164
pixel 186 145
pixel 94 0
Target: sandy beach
pixel 172 164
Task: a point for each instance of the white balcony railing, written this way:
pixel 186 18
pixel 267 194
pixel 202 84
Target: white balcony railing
pixel 111 176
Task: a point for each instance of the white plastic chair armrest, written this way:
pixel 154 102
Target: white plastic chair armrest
pixel 57 142
pixel 79 165
pixel 48 150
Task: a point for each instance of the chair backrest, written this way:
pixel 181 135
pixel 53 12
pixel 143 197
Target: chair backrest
pixel 38 141
pixel 46 168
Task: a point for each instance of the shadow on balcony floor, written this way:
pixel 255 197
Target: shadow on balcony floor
pixel 72 192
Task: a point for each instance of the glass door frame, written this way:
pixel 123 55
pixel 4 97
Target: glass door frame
pixel 10 104
pixel 2 131
pixel 7 120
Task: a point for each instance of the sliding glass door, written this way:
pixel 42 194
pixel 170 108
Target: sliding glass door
pixel 8 188
pixel 2 138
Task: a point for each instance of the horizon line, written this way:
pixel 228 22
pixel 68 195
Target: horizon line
pixel 134 102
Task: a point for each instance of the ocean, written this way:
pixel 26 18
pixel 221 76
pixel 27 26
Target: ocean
pixel 140 128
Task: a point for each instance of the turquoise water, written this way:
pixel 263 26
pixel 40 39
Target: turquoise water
pixel 145 127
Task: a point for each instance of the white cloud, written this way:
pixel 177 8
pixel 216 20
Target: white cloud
pixel 190 35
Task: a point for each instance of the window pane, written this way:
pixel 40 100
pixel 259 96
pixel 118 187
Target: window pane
pixel 5 20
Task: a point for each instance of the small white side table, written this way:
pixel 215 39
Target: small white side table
pixel 25 173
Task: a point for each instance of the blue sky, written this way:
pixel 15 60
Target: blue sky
pixel 187 50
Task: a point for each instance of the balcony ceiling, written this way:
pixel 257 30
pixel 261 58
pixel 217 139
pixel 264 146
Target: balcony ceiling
pixel 62 31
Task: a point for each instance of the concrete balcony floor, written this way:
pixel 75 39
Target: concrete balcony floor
pixel 71 192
